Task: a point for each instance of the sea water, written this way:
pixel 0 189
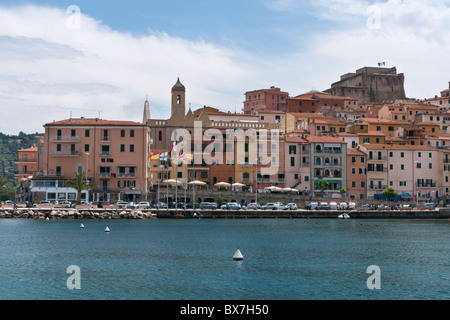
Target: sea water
pixel 284 259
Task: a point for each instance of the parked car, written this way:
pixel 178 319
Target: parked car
pixel 323 206
pixel 66 204
pixel 253 206
pixel 279 206
pixel 208 205
pixel 429 205
pixel 233 206
pixel 190 205
pixel 144 205
pixel 45 203
pixel 160 205
pixel 291 206
pixel 312 205
pixel 269 206
pixel 120 204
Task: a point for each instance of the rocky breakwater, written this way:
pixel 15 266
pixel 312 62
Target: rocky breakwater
pixel 76 214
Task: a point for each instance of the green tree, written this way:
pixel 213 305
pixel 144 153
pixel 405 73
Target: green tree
pixel 79 183
pixel 323 185
pixel 390 193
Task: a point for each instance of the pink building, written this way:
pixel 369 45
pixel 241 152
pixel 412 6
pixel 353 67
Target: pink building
pixel 112 154
pixel 264 100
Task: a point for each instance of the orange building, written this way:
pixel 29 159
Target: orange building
pixel 27 163
pixel 356 174
pixel 112 154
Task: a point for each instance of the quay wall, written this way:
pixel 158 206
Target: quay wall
pixel 89 213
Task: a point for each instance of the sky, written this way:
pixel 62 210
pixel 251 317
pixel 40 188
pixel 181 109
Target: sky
pixel 62 59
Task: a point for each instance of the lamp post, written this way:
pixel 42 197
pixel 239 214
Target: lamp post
pixel 415 184
pixel 86 173
pixel 256 180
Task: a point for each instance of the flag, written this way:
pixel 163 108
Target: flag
pixel 154 156
pixel 163 156
pixel 174 147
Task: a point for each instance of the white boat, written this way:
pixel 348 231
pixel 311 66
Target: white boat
pixel 238 255
pixel 82 226
pixel 343 216
pixel 107 229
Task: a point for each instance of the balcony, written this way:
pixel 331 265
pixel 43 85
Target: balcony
pixel 126 175
pixel 382 158
pixel 65 154
pixel 328 150
pixel 61 139
pixel 427 185
pixel 104 174
pixel 372 187
pixel 105 153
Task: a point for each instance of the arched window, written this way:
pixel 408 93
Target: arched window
pixel 246 175
pixel 318 161
pixel 318 148
pixel 178 99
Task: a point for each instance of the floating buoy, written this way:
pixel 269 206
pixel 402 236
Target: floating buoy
pixel 47 218
pixel 377 224
pixel 107 229
pixel 238 255
pixel 82 226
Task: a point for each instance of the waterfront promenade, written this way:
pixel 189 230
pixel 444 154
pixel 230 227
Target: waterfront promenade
pixel 118 213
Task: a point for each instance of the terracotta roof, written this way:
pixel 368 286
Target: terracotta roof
pixel 32 149
pixel 295 140
pixel 397 147
pixel 325 139
pixel 92 122
pixel 355 152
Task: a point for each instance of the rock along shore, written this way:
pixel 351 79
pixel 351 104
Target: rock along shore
pixel 91 213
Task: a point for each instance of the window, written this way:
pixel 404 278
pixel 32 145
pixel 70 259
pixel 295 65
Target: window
pixel 353 171
pixel 131 147
pixel 419 165
pixel 430 155
pixel 292 161
pixel 353 184
pixel 430 166
pixel 362 160
pixel 122 133
pixel 86 133
pixel 72 132
pixel 353 159
pixel 402 167
pixel 122 148
pixel 402 154
pixel 160 135
pixel 58 147
pixel 419 154
pixel 132 133
pixel 391 154
pixel 86 148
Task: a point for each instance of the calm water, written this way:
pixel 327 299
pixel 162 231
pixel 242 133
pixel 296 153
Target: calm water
pixel 192 259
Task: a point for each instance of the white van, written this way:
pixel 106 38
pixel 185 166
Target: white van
pixel 333 206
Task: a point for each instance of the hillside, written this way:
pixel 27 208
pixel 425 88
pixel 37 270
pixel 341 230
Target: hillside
pixel 9 144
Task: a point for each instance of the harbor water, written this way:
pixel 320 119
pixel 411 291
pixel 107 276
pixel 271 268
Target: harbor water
pixel 187 259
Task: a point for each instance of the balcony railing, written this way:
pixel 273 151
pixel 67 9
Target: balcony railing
pixel 377 187
pixel 427 185
pixel 105 153
pixel 66 154
pixel 65 139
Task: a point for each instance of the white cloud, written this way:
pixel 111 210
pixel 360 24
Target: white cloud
pixel 58 70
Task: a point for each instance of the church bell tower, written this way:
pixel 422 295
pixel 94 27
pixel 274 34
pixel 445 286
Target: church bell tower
pixel 178 98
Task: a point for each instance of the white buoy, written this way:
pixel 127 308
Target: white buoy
pixel 107 229
pixel 238 255
pixel 82 226
pixel 47 218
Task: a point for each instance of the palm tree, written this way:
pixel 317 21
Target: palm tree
pixel 79 183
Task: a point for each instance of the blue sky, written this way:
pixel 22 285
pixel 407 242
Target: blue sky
pixel 126 50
